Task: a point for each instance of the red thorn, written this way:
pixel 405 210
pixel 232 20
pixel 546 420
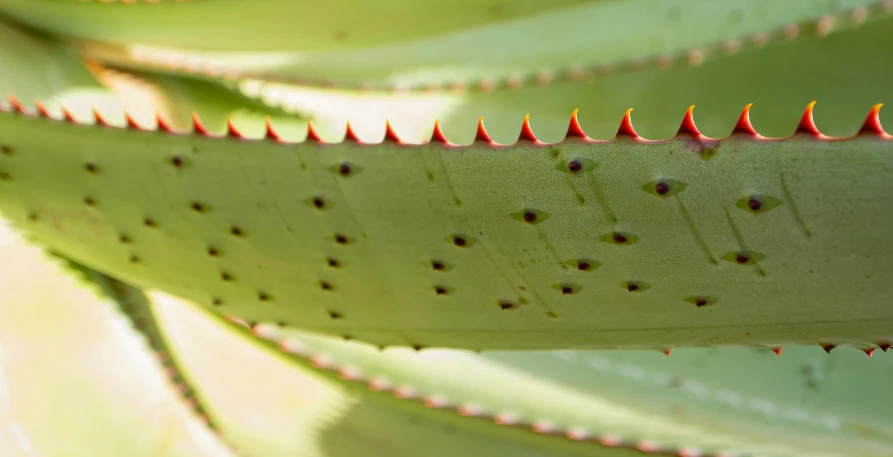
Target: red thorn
pixel 744 127
pixel 574 129
pixel 884 346
pixel 667 352
pixel 828 347
pixel 526 132
pixel 271 132
pixel 872 124
pixel 777 351
pixel 197 125
pixel 162 124
pixel 389 134
pixel 437 135
pixel 16 103
pixel 626 126
pixel 868 351
pixel 131 123
pixel 41 109
pixel 67 115
pixel 100 121
pixel 311 133
pixel 807 124
pixel 350 135
pixel 688 124
pixel 482 134
pixel 231 129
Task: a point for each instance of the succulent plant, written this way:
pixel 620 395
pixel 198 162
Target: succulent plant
pixel 328 252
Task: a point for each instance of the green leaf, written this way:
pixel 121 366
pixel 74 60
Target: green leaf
pixel 729 400
pixel 74 380
pixel 273 25
pixel 574 42
pixel 817 276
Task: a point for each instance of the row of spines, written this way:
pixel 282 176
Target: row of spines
pixel 871 126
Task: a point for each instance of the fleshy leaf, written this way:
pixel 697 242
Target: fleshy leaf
pixel 74 380
pixel 273 25
pixel 805 278
pixel 571 43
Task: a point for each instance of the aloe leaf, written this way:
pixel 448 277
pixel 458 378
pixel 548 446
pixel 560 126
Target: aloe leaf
pixel 74 381
pixel 577 42
pixel 706 402
pixel 779 81
pixel 481 246
pixel 271 25
pixel 38 68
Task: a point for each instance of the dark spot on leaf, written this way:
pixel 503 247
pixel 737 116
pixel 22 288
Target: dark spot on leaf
pixel 335 315
pixel 440 290
pixel 236 231
pixel 89 201
pixel 333 263
pixel 91 168
pixel 341 239
pixel 263 296
pixel 213 252
pixel 325 285
pixel 226 276
pixel 216 301
pixel 149 222
pixel 507 305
